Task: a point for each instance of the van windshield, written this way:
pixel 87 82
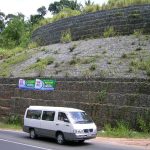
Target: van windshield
pixel 80 117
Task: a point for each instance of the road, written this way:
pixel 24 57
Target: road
pixel 13 140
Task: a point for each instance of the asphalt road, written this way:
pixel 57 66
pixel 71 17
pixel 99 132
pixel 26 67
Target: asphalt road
pixel 11 140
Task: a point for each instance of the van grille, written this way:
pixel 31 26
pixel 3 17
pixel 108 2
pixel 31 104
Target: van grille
pixel 88 130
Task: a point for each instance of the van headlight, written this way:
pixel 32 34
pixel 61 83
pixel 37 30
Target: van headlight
pixel 78 131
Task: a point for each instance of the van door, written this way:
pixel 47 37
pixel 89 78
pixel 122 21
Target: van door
pixel 63 124
pixel 47 124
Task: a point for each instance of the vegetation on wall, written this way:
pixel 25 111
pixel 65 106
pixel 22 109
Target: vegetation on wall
pixel 15 31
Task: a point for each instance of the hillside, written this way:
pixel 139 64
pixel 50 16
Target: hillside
pixel 120 56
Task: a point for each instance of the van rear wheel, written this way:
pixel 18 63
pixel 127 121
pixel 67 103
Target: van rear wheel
pixel 60 138
pixel 32 134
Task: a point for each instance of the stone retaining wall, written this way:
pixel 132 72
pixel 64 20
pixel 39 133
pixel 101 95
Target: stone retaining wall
pixel 124 20
pixel 106 100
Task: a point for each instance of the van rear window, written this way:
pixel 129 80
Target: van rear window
pixel 34 114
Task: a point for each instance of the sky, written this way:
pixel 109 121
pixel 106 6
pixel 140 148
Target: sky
pixel 28 7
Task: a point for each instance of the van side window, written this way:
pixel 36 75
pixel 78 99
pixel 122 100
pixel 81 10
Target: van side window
pixel 48 115
pixel 34 114
pixel 62 117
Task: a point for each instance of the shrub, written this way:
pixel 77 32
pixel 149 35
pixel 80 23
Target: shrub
pixel 88 60
pixel 102 95
pixel 93 67
pixel 109 32
pixel 33 45
pixel 91 8
pixel 14 119
pixel 121 130
pixel 41 63
pixel 74 61
pixel 65 13
pixel 72 47
pixel 142 65
pixel 124 55
pixel 66 36
pixel 144 127
pixel 138 32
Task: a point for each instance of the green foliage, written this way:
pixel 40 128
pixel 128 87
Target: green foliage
pixel 56 7
pixel 91 8
pixel 72 47
pixel 74 61
pixel 142 65
pixel 138 32
pixel 124 55
pixel 41 63
pixel 16 33
pixel 88 60
pixel 35 18
pixel 123 3
pixel 144 127
pixel 14 120
pixel 66 36
pixel 10 126
pixel 65 13
pixel 33 45
pixel 93 67
pixel 121 130
pixel 16 59
pixel 109 32
pixel 42 11
pixel 101 95
pixel 42 22
pixel 7 53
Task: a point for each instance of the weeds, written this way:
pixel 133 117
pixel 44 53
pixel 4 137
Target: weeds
pixel 93 67
pixel 109 32
pixel 121 130
pixel 72 47
pixel 66 36
pixel 142 65
pixel 102 95
pixel 41 64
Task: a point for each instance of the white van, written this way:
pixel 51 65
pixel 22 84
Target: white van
pixel 61 123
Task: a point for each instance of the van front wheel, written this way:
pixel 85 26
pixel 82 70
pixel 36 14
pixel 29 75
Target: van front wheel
pixel 32 134
pixel 60 138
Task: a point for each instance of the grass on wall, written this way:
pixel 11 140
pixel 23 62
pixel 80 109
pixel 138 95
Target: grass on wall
pixel 141 65
pixel 41 63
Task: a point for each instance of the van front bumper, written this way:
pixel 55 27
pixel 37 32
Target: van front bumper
pixel 78 137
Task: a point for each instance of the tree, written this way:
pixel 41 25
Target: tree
pixel 11 35
pixel 10 17
pixel 2 24
pixel 88 2
pixel 42 11
pixel 56 7
pixel 35 19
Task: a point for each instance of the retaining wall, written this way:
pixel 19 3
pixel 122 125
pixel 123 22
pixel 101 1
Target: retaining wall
pixel 124 20
pixel 106 100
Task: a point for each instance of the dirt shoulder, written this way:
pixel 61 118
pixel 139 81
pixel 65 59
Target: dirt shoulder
pixel 144 143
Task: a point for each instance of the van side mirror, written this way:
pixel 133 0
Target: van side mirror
pixel 66 120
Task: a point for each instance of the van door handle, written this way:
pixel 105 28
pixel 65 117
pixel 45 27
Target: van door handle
pixel 67 125
pixel 57 124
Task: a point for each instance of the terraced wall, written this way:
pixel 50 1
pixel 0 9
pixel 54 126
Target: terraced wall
pixel 106 100
pixel 124 20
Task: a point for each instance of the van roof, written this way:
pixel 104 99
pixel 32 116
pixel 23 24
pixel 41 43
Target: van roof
pixel 66 109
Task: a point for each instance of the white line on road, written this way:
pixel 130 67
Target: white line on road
pixel 25 144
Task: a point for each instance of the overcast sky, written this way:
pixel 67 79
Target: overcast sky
pixel 28 7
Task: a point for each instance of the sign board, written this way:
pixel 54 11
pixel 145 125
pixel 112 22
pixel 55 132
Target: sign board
pixel 37 84
pixel 27 84
pixel 45 84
